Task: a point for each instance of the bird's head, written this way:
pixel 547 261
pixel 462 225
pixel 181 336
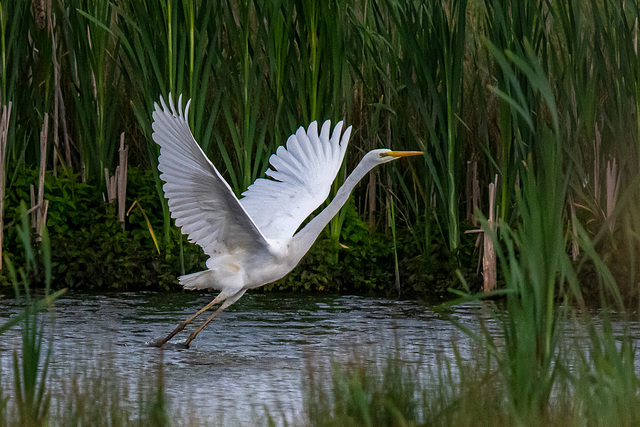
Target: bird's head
pixel 384 155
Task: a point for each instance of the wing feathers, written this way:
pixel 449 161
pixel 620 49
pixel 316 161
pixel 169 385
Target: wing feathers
pixel 200 200
pixel 302 174
pixel 203 204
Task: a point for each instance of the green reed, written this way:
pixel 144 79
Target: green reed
pixel 30 368
pixel 325 63
pixel 24 79
pixel 168 49
pixel 13 46
pixel 468 389
pixel 538 274
pixel 527 374
pixel 87 30
pixel 358 394
pixel 245 104
pixel 509 25
pixel 432 76
pixel 95 400
pixel 596 100
pixel 607 382
pixel 532 256
pixel 432 42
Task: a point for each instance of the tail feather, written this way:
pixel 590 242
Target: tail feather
pixel 200 280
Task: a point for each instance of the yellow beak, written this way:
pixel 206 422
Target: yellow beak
pixel 404 153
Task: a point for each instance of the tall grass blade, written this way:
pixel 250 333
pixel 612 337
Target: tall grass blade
pixel 30 368
pixel 432 38
pixel 88 29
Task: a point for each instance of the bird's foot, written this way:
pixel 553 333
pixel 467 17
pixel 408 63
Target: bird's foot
pixel 175 346
pixel 156 343
pixel 168 345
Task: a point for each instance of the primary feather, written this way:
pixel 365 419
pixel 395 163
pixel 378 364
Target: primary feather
pixel 200 200
pixel 302 174
pixel 204 205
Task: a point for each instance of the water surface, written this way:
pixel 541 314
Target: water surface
pixel 255 355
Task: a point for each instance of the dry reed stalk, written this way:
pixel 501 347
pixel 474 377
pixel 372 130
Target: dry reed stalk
pixel 111 182
pixel 4 133
pixel 43 218
pixel 59 113
pixel 371 195
pixel 41 212
pixel 34 205
pixel 575 248
pixel 489 272
pixel 612 186
pixel 473 191
pixel 122 179
pixel 56 102
pixel 117 184
pixel 596 164
pixel 468 192
pixel 39 13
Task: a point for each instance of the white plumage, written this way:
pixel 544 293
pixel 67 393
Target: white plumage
pixel 200 200
pixel 252 241
pixel 302 176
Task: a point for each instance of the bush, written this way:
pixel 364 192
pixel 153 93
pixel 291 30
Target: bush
pixel 92 251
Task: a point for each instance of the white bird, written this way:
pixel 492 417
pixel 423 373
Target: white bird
pixel 252 241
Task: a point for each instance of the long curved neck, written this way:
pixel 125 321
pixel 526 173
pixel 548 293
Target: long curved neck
pixel 304 239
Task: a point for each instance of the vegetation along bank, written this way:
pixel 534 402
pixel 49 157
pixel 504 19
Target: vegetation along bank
pixel 527 110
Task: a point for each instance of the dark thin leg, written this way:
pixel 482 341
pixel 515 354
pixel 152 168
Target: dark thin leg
pixel 226 304
pixel 181 326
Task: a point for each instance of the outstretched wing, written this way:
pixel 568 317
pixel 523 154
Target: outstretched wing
pixel 302 176
pixel 200 200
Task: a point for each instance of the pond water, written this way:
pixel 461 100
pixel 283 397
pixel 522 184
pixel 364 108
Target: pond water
pixel 256 355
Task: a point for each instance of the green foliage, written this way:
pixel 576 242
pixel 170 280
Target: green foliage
pixel 431 69
pixel 538 272
pixel 30 368
pixel 511 25
pixel 364 262
pixel 96 395
pixel 25 78
pixel 95 107
pixel 606 377
pixel 533 258
pixel 433 273
pixel 456 79
pixel 91 250
pixel 363 395
pixel 30 371
pixel 596 383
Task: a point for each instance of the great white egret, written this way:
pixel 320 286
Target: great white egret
pixel 251 241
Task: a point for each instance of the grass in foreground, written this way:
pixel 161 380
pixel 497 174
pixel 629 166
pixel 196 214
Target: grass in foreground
pixel 596 384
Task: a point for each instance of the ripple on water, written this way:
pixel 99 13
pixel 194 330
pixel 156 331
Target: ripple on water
pixel 256 354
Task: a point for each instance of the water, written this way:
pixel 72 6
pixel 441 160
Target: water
pixel 255 355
